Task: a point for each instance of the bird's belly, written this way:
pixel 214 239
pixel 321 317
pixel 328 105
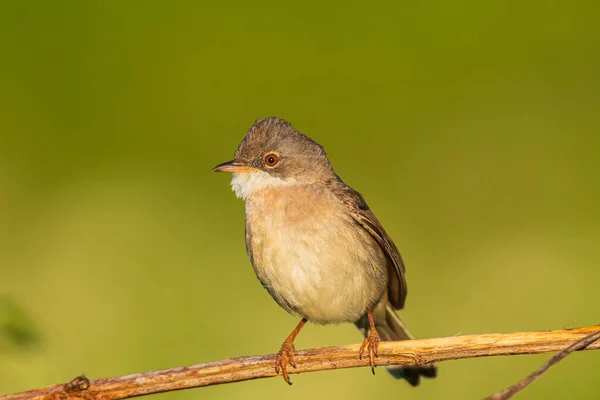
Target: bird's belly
pixel 326 272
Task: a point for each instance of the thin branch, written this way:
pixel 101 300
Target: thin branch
pixel 409 353
pixel 523 383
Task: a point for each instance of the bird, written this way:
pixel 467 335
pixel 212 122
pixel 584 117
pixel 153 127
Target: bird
pixel 315 245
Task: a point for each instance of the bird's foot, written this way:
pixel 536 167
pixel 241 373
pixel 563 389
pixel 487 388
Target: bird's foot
pixel 371 344
pixel 285 357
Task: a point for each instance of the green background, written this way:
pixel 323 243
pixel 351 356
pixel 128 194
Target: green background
pixel 470 127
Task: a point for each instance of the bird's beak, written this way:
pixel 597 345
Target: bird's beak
pixel 232 166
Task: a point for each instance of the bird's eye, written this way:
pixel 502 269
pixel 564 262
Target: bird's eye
pixel 271 160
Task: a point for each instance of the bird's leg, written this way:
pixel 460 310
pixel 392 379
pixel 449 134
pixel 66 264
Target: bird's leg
pixel 286 354
pixel 371 342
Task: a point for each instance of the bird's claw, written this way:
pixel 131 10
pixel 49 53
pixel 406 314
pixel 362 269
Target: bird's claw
pixel 285 357
pixel 371 344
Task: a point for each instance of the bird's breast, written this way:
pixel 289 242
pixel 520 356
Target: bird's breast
pixel 310 255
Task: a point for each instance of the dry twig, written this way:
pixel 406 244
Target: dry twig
pixel 523 383
pixel 413 352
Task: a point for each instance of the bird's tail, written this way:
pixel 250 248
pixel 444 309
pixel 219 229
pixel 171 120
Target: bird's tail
pixel 391 328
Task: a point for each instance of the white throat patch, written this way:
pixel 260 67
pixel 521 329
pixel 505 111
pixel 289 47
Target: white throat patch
pixel 245 184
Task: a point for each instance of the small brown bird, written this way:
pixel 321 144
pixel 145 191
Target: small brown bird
pixel 314 243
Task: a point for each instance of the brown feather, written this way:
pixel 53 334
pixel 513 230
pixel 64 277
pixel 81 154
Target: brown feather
pixel 363 215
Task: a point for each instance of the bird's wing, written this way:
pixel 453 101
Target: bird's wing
pixel 365 218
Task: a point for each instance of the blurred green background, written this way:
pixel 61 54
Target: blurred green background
pixel 470 127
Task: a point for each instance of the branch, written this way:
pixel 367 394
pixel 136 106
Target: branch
pixel 523 383
pixel 408 352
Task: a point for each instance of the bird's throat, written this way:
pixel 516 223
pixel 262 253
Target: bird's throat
pixel 247 184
